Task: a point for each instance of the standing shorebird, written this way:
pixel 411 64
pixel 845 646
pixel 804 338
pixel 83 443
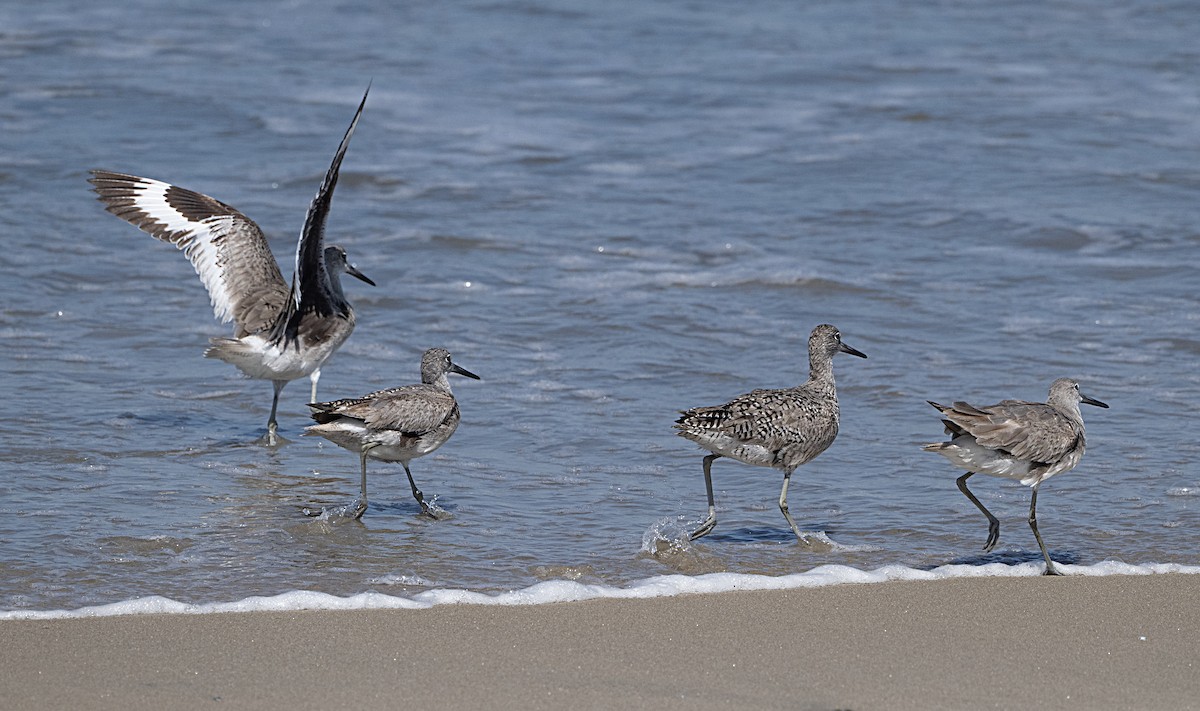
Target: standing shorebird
pixel 1014 439
pixel 772 428
pixel 395 425
pixel 280 334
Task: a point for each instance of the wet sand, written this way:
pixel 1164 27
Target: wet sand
pixel 1114 642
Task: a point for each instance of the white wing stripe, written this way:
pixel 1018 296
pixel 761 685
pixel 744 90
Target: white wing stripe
pixel 197 240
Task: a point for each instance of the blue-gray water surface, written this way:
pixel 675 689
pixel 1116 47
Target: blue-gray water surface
pixel 610 211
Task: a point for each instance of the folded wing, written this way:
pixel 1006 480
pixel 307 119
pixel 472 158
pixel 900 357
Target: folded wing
pixel 1027 430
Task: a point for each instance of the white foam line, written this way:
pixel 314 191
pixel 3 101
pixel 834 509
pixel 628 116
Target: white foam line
pixel 571 591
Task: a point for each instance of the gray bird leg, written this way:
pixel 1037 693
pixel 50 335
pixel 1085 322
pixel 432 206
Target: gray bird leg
pixel 993 522
pixel 1050 569
pixel 360 505
pixel 417 494
pixel 314 377
pixel 272 425
pixel 711 522
pixel 787 479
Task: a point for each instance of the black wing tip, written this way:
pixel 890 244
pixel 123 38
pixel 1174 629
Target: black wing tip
pixel 323 412
pixel 101 177
pixel 310 252
pixel 109 184
pixel 105 174
pixel 113 189
pixel 331 176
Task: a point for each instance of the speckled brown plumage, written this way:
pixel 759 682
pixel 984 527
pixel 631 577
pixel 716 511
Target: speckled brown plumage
pixel 781 428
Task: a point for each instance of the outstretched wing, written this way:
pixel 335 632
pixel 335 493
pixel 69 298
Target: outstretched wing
pixel 311 279
pixel 227 249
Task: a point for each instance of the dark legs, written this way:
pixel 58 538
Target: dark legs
pixel 711 521
pixel 417 494
pixel 993 523
pixel 1050 569
pixel 787 479
pixel 360 506
pixel 272 425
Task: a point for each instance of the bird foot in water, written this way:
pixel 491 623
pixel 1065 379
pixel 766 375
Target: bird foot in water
pixel 815 541
pixel 271 439
pixel 352 511
pixel 705 528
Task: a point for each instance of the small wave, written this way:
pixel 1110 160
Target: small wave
pixel 572 591
pixel 668 537
pixel 403 580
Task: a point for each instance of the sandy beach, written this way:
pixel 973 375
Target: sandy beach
pixel 1114 642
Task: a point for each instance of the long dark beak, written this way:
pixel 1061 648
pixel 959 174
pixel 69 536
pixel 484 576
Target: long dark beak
pixel 463 371
pixel 1091 401
pixel 852 351
pixel 357 274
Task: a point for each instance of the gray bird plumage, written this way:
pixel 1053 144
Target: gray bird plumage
pixel 782 428
pixel 1026 441
pixel 397 424
pixel 281 333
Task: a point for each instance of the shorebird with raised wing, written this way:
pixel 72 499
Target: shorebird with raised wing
pixel 781 429
pixel 1026 441
pixel 397 424
pixel 281 333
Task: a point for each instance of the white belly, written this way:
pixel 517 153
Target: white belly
pixel 385 445
pixel 259 358
pixel 726 446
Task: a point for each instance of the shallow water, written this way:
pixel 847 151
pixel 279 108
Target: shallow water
pixel 609 213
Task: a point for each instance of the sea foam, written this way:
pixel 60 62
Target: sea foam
pixel 571 591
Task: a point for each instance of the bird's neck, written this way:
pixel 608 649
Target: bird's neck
pixel 334 280
pixel 1068 409
pixel 1073 414
pixel 820 372
pixel 439 381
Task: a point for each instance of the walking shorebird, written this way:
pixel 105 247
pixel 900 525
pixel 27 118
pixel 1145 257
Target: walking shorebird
pixel 1014 439
pixel 395 425
pixel 281 333
pixel 772 428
